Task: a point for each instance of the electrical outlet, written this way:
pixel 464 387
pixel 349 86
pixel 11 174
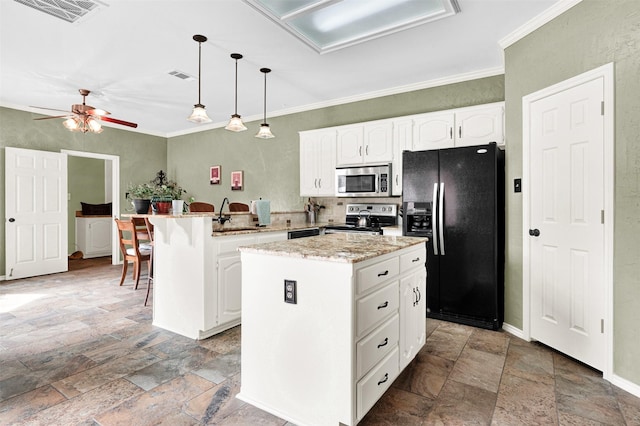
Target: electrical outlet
pixel 290 292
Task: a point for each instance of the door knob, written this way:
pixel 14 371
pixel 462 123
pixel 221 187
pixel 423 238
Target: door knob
pixel 11 219
pixel 534 232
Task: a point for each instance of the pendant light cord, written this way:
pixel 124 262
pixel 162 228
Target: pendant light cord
pixel 199 69
pixel 265 97
pixel 236 99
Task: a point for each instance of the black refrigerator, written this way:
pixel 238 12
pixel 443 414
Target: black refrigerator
pixel 455 197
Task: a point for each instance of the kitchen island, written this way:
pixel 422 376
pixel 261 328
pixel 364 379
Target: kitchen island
pixel 329 322
pixel 197 274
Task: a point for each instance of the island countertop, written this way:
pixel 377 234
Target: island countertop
pixel 340 247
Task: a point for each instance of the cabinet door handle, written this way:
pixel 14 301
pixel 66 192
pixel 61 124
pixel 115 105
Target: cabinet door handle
pixel 417 259
pixel 450 132
pixel 382 274
pixel 366 150
pixel 415 297
pixel 396 179
pixel 360 151
pixel 419 295
pixel 383 305
pixel 459 131
pixel 319 182
pixel 315 183
pixel 384 379
pixel 384 343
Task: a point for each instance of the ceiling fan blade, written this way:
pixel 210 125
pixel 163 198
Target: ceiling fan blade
pixel 56 116
pixel 51 109
pixel 116 121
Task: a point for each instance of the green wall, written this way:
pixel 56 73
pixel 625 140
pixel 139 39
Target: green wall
pixel 589 35
pixel 86 184
pixel 272 166
pixel 141 156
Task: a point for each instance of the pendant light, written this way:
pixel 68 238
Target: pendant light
pixel 199 113
pixel 265 131
pixel 236 124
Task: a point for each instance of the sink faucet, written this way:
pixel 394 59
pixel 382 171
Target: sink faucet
pixel 223 219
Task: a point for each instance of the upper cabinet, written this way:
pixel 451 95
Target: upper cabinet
pixel 317 162
pixel 402 141
pixel 367 143
pixel 433 131
pixel 480 125
pixel 475 125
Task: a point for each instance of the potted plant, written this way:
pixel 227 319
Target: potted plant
pixel 141 195
pixel 165 192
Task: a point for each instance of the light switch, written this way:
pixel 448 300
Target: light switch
pixel 517 185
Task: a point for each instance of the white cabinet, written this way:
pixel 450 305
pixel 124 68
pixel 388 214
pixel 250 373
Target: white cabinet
pixel 345 333
pixel 365 144
pixel 93 235
pixel 412 305
pixel 402 141
pixel 317 162
pixel 480 125
pixel 433 131
pixel 229 272
pixel 476 125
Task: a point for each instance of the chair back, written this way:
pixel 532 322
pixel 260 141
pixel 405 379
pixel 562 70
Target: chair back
pixel 238 207
pixel 144 232
pixel 199 206
pixel 128 236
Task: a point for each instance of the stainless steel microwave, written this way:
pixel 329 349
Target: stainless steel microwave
pixel 371 181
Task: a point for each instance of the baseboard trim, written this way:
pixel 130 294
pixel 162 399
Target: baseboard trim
pixel 513 330
pixel 626 385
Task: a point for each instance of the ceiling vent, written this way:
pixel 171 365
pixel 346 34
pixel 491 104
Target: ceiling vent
pixel 67 10
pixel 182 75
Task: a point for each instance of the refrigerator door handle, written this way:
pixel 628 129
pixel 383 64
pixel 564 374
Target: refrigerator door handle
pixel 441 217
pixel 434 227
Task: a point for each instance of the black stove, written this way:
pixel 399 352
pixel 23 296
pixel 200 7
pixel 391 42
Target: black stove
pixel 381 215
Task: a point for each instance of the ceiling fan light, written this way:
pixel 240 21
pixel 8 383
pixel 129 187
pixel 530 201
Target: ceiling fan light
pixel 94 126
pixel 199 114
pixel 72 124
pixel 264 132
pixel 236 124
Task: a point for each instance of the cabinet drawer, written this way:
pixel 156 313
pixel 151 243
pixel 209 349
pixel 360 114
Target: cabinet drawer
pixel 377 306
pixel 369 277
pixel 376 345
pixel 413 259
pixel 374 384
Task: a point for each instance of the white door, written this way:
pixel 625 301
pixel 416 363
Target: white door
pixel 35 212
pixel 566 236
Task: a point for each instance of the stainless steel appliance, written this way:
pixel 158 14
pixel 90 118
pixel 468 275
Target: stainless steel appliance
pixel 379 216
pixel 372 181
pixel 455 197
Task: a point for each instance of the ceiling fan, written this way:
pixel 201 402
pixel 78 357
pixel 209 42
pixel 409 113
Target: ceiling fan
pixel 84 118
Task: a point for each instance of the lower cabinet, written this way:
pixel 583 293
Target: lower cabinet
pixel 93 235
pixel 328 358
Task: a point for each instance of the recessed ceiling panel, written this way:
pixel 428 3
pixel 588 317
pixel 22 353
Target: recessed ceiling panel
pixel 328 25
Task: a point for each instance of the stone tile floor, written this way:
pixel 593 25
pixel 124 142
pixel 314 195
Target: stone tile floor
pixel 77 349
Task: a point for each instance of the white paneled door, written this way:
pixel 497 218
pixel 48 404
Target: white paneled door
pixel 35 212
pixel 566 235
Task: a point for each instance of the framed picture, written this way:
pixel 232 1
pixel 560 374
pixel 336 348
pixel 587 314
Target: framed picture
pixel 236 180
pixel 214 175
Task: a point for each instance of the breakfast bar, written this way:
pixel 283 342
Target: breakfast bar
pixel 329 322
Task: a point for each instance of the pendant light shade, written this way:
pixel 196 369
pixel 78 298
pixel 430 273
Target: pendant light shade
pixel 265 130
pixel 199 113
pixel 236 124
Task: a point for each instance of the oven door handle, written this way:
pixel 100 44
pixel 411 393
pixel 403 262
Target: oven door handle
pixel 434 226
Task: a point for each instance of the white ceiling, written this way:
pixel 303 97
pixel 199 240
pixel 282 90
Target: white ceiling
pixel 124 52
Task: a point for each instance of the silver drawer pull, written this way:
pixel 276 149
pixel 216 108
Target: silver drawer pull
pixel 382 274
pixel 384 343
pixel 417 259
pixel 386 377
pixel 384 305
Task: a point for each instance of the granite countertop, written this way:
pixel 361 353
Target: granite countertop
pixel 340 247
pixel 229 229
